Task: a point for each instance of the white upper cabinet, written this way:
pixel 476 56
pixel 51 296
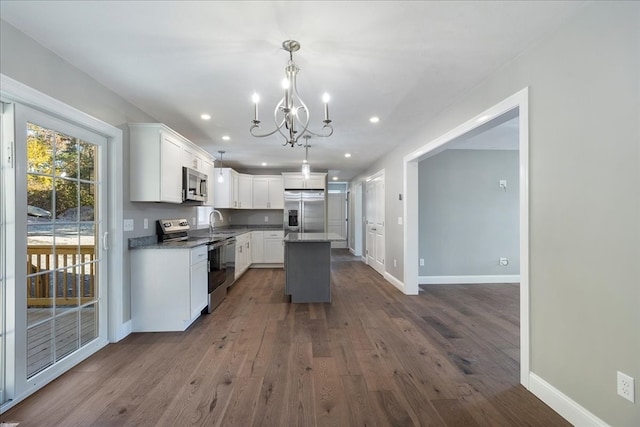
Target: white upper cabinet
pixel 297 181
pixel 268 192
pixel 155 166
pixel 225 194
pixel 157 155
pixel 245 191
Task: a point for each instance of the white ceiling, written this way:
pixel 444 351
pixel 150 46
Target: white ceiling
pixel 401 61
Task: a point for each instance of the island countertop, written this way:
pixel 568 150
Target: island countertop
pixel 312 237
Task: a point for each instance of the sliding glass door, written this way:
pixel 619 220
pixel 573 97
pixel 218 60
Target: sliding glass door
pixel 57 215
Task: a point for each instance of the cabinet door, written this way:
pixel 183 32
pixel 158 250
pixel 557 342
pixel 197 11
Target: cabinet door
pixel 188 157
pixel 199 287
pixel 293 181
pixel 316 181
pixel 245 191
pixel 233 180
pixel 276 193
pixel 273 250
pixel 170 170
pixel 257 242
pixel 223 193
pixel 261 196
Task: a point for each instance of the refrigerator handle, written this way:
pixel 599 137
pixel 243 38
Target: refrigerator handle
pixel 301 216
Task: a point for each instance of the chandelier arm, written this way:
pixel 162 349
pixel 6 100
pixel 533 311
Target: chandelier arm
pixel 321 135
pixel 277 129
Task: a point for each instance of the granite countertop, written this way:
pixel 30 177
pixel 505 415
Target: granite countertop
pixel 312 237
pixel 196 238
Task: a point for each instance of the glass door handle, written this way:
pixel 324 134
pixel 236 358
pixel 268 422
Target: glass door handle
pixel 105 240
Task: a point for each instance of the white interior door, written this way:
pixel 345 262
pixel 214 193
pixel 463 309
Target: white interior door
pixel 375 241
pixel 337 217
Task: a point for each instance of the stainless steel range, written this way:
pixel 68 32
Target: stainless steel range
pixel 171 230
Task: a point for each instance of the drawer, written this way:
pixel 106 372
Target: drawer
pixel 274 233
pixel 198 254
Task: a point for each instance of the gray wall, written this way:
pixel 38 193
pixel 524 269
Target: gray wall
pixel 467 222
pixel 584 181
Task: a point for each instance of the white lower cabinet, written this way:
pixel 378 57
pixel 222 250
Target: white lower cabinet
pixel 273 247
pixel 168 288
pixel 268 247
pixel 243 254
pixel 257 252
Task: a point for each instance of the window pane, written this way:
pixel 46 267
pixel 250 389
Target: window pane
pixel 39 198
pixel 87 160
pixel 87 201
pixel 39 347
pixel 66 196
pixel 89 279
pixel 40 292
pixel 88 323
pixel 67 334
pixel 39 149
pixel 66 156
pixel 67 289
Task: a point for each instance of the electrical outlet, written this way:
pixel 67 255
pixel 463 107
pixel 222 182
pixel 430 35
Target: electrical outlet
pixel 504 261
pixel 146 223
pixel 128 225
pixel 421 262
pixel 395 262
pixel 266 219
pixel 626 387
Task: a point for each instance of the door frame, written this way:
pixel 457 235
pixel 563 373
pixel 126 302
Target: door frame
pixel 13 91
pixel 519 100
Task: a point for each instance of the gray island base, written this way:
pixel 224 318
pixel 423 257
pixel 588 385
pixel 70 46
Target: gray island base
pixel 307 265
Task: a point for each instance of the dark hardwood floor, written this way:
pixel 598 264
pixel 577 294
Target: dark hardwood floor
pixel 373 357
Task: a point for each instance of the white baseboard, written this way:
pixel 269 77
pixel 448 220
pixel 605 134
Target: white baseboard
pixel 353 251
pixel 448 280
pixel 562 404
pixel 394 281
pixel 364 259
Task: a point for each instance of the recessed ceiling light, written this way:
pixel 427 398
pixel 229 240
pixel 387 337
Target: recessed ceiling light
pixel 264 164
pixel 226 138
pixel 335 178
pixel 347 155
pixel 205 116
pixel 374 119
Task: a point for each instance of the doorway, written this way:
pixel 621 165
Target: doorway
pixel 519 102
pixel 337 213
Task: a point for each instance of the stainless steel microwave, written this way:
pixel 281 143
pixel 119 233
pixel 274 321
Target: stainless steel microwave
pixel 194 185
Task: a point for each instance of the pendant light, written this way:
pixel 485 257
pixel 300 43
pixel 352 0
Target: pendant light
pixel 220 176
pixel 306 167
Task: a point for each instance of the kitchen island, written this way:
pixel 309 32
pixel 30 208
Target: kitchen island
pixel 307 265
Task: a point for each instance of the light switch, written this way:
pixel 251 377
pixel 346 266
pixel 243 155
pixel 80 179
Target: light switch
pixel 128 225
pixel 503 184
pixel 399 220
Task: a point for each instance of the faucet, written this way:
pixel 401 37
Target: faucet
pixel 212 220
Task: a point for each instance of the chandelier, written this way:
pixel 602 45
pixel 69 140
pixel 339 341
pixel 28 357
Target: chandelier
pixel 291 116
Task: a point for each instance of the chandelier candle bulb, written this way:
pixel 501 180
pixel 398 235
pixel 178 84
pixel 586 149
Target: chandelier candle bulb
pixel 325 99
pixel 255 98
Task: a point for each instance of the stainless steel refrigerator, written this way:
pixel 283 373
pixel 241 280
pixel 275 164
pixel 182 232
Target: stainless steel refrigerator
pixel 304 211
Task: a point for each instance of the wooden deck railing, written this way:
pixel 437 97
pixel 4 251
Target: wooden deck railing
pixel 70 283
